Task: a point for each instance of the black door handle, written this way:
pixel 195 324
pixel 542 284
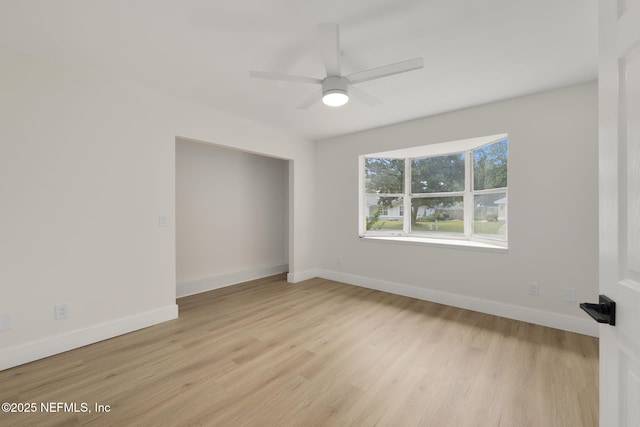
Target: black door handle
pixel 604 312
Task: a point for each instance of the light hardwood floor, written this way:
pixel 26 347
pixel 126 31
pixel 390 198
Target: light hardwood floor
pixel 267 353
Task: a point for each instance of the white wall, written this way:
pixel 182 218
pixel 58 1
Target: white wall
pixel 553 187
pixel 85 169
pixel 87 165
pixel 231 216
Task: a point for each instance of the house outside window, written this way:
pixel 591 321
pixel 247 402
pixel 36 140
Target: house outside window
pixel 451 191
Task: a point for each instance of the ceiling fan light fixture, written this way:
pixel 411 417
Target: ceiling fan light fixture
pixel 335 98
pixel 335 91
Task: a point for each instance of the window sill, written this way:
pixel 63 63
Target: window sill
pixel 448 243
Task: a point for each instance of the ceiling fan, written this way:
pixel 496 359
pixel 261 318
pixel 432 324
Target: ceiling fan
pixel 336 88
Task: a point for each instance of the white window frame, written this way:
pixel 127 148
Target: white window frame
pixel 455 147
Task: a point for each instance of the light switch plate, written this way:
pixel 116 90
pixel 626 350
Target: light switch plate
pixel 570 294
pixel 6 322
pixel 61 311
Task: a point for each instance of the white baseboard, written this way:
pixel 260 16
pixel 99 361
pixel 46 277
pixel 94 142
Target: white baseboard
pixel 25 353
pixel 302 275
pixel 538 317
pixel 229 279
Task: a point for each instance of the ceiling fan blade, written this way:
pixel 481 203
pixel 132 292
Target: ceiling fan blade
pixel 329 37
pixel 283 77
pixel 364 97
pixel 307 103
pixel 386 70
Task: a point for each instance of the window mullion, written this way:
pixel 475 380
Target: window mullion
pixel 491 190
pixel 468 194
pixel 406 200
pixel 362 229
pixel 436 195
pixel 384 194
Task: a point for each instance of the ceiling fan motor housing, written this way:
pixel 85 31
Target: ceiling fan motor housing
pixel 335 84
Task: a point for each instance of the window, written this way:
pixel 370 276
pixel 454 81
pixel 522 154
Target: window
pixel 455 190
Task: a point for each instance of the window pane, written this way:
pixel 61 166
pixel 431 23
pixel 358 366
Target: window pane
pixel 383 213
pixel 438 174
pixel 490 215
pixel 490 166
pixel 384 175
pixel 437 215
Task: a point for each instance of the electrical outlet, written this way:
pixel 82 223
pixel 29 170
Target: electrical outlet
pixel 534 290
pixel 570 294
pixel 5 322
pixel 339 260
pixel 61 311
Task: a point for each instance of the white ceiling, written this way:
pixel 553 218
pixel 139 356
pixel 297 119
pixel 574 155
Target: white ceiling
pixel 475 51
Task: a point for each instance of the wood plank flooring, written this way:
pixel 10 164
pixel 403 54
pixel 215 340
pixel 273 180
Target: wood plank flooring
pixel 318 353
